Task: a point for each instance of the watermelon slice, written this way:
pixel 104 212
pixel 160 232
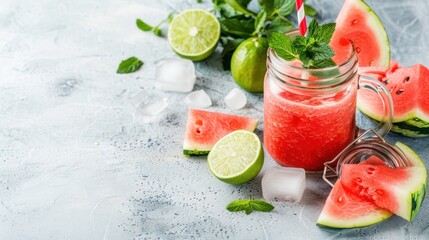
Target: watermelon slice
pixel 409 88
pixel 345 210
pixel 358 23
pixel 204 129
pixel 400 190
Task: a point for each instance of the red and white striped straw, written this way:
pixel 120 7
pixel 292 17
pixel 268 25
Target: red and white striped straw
pixel 301 17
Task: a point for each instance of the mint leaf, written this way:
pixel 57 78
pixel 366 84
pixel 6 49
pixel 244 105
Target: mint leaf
pixel 261 206
pixel 129 65
pixel 240 6
pixel 323 63
pixel 279 24
pixel 309 10
pixel 324 33
pixel 248 206
pixel 312 28
pixel 284 7
pixel 143 26
pixel 238 205
pixel 260 21
pixel 300 44
pixel 157 32
pixel 238 27
pixel 267 6
pixel 322 52
pixel 282 45
pixel 227 11
pixel 170 17
pixel 277 7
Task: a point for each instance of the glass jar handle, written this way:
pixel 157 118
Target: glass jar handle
pixel 385 123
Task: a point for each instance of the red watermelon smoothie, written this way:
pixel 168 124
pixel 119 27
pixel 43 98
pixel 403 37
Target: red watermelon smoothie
pixel 309 114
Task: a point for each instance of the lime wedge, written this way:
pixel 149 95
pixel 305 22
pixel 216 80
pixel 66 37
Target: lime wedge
pixel 236 158
pixel 193 34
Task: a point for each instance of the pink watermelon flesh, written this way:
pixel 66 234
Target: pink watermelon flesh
pixel 398 190
pixel 408 88
pixel 346 210
pixel 357 23
pixel 204 129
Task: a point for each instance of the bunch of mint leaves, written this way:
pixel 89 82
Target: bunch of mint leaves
pixel 239 23
pixel 312 50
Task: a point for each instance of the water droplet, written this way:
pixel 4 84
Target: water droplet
pixel 400 91
pixel 354 22
pixel 358 49
pixel 340 199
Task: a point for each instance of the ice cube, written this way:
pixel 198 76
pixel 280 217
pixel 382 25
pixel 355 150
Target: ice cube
pixel 173 74
pixel 283 184
pixel 198 99
pixel 148 103
pixel 235 99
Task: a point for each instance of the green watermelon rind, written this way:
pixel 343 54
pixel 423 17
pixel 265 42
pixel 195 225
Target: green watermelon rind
pixel 409 125
pixel 333 223
pixel 188 152
pixel 407 130
pixel 419 195
pixel 414 200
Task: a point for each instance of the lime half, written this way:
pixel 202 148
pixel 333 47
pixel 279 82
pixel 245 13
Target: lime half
pixel 236 158
pixel 193 34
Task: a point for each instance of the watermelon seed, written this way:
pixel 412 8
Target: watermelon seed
pixel 340 199
pixel 198 130
pixel 354 22
pixel 358 180
pixel 371 169
pixel 199 122
pixel 371 63
pixel 406 79
pixel 400 91
pixel 358 50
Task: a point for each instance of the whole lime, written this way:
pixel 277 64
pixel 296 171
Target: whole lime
pixel 248 64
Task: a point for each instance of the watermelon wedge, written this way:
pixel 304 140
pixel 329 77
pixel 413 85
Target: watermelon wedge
pixel 399 190
pixel 358 200
pixel 409 88
pixel 359 24
pixel 204 129
pixel 345 210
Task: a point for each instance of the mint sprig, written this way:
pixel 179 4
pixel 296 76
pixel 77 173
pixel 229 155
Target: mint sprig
pixel 145 27
pixel 312 50
pixel 249 205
